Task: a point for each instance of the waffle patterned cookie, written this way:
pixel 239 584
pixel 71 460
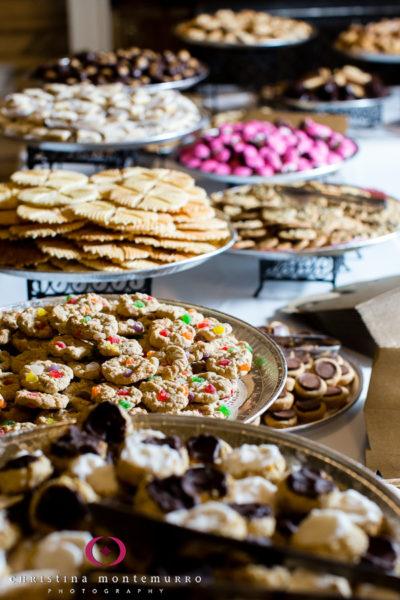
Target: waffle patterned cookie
pixel 116 220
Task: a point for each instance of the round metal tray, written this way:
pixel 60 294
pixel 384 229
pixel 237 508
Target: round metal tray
pixel 337 250
pixel 336 106
pixel 258 389
pixel 273 43
pixel 182 84
pixel 279 178
pixel 355 393
pixel 346 472
pixel 377 57
pixel 126 145
pixel 93 276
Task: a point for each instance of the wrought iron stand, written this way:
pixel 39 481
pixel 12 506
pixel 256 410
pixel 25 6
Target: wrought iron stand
pixel 118 159
pixel 315 268
pixel 42 289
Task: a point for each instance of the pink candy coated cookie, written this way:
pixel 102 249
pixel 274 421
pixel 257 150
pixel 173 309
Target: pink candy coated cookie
pixel 264 148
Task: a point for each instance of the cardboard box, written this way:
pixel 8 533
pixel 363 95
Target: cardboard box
pixel 340 313
pixel 366 317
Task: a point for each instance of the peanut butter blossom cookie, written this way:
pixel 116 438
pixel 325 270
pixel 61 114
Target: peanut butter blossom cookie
pixel 200 482
pixel 132 350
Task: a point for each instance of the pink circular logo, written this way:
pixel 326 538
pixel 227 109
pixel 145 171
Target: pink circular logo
pixel 105 551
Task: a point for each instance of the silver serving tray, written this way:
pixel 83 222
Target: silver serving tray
pixel 334 105
pixel 258 389
pixel 355 393
pixel 280 178
pixel 337 250
pixel 93 276
pixel 56 146
pixel 377 57
pixel 346 472
pixel 182 84
pixel 273 43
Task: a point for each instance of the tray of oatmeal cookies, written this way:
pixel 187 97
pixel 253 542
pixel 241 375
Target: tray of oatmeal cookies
pixel 61 355
pixel 59 224
pixel 312 218
pixel 322 380
pixel 172 488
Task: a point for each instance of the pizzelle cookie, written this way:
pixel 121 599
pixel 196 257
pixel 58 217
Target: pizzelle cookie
pixel 128 219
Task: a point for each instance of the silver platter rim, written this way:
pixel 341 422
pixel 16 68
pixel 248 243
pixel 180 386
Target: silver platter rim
pixel 56 146
pixel 334 104
pixel 93 276
pixel 377 57
pixel 355 396
pixel 280 178
pixel 337 250
pixel 273 43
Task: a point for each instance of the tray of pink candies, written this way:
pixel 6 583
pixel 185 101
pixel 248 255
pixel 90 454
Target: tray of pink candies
pixel 262 151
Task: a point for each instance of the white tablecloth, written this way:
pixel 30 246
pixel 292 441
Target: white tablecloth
pixel 227 282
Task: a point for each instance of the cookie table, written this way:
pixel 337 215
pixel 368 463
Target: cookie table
pixel 227 282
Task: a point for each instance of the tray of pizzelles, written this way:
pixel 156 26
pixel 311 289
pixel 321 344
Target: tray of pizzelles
pixel 279 222
pixel 115 224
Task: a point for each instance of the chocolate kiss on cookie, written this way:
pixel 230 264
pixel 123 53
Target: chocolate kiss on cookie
pixel 294 366
pixel 310 385
pixel 335 396
pixel 328 370
pixel 310 410
pixel 280 418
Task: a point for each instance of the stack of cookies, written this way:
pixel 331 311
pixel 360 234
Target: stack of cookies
pixel 306 216
pixel 132 350
pixel 318 384
pixel 88 114
pixel 116 220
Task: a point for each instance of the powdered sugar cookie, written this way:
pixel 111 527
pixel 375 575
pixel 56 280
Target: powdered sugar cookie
pixel 125 370
pixel 46 376
pixel 164 396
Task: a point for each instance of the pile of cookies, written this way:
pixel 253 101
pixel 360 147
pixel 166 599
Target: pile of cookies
pixel 377 37
pixel 133 350
pixel 246 27
pixel 131 66
pixel 306 216
pixel 134 218
pixel 199 482
pixel 90 114
pixel 330 85
pixel 318 383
